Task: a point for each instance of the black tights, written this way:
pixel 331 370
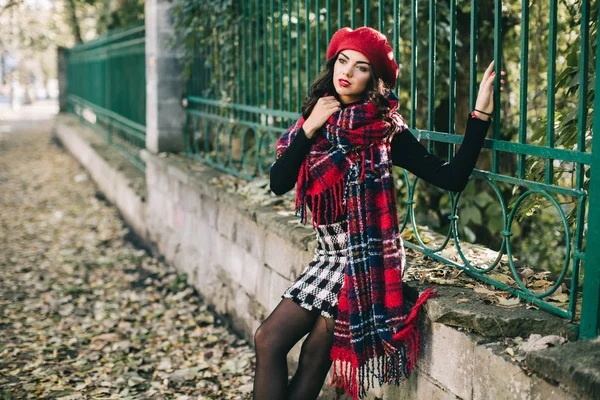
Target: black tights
pixel 286 325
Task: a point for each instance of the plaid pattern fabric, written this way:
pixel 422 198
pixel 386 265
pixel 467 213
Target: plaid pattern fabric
pixel 319 285
pixel 349 171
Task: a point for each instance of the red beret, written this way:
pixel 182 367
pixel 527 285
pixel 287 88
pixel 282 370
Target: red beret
pixel 373 44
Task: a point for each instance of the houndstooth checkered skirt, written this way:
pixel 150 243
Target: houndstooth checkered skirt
pixel 319 285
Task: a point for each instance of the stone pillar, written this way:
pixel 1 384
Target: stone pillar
pixel 165 115
pixel 62 79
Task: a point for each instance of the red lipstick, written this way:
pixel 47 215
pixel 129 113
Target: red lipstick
pixel 344 83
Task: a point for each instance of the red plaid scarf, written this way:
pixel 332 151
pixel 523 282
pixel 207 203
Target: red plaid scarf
pixel 349 171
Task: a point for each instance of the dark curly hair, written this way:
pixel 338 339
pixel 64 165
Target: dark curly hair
pixel 374 92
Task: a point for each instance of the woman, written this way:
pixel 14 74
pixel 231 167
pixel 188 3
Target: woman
pixel 340 155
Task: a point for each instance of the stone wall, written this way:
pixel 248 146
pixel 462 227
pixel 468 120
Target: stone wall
pixel 241 257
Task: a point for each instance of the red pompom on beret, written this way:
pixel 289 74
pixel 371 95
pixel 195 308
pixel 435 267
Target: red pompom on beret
pixel 373 44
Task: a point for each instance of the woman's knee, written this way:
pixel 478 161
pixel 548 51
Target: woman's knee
pixel 261 337
pixel 267 339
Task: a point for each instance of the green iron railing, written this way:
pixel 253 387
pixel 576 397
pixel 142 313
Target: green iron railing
pixel 242 97
pixel 106 84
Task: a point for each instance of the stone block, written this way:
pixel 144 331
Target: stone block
pixel 104 176
pixel 209 209
pixel 218 295
pixel 497 377
pixel 177 174
pixel 168 212
pixel 304 258
pixel 227 220
pixel 171 245
pixel 240 308
pixel 576 365
pixel 281 255
pixel 189 198
pixel 277 286
pixel 155 213
pixel 263 286
pixel 233 259
pixel 447 356
pixel 169 86
pixel 185 259
pixel 203 236
pixel 418 386
pixel 542 390
pixel 132 208
pixel 240 304
pixel 197 233
pixel 156 173
pixel 189 231
pixel 250 274
pixel 250 237
pixel 161 181
pixel 151 174
pixel 177 218
pixel 219 254
pixel 204 274
pixel 173 109
pixel 257 311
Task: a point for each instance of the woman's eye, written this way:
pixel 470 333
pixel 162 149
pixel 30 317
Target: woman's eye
pixel 363 69
pixel 342 61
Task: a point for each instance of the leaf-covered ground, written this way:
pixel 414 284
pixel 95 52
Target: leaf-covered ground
pixel 84 314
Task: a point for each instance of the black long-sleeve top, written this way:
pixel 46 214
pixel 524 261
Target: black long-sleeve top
pixel 407 153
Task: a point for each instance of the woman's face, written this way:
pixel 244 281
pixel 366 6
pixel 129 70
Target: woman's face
pixel 351 73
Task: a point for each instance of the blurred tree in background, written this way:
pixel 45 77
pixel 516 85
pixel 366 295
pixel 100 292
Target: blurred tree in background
pixel 31 31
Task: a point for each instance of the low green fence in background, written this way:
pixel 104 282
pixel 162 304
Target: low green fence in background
pixel 106 86
pixel 253 61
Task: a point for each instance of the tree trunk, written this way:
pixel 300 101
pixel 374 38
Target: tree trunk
pixel 72 13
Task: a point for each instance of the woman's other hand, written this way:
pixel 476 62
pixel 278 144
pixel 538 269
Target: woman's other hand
pixel 321 112
pixel 485 97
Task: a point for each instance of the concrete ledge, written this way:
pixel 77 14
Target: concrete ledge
pixel 486 320
pixel 575 366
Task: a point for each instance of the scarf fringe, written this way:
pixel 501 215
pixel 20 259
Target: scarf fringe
pixel 397 362
pixel 410 321
pixel 328 203
pixel 357 380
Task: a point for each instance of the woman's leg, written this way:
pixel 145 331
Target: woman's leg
pixel 273 340
pixel 314 362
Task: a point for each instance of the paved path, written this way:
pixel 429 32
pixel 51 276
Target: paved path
pixel 83 313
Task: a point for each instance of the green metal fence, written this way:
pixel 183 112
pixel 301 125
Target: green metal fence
pixel 106 84
pixel 250 75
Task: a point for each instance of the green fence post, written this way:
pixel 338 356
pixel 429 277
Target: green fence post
pixel 590 308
